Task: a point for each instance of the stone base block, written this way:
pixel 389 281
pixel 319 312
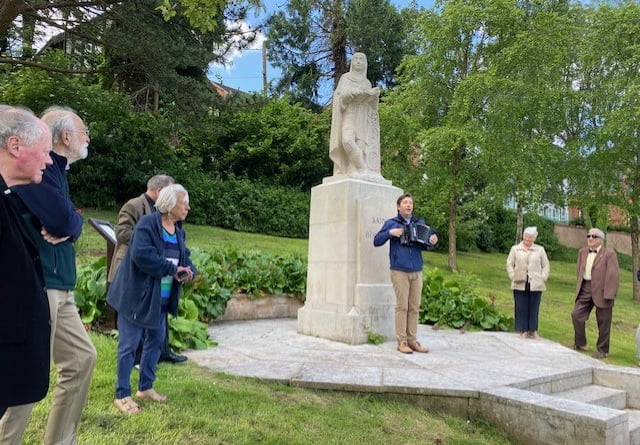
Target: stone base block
pixel 373 313
pixel 241 307
pixel 349 292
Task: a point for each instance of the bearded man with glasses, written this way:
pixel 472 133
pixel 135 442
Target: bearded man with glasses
pixel 597 285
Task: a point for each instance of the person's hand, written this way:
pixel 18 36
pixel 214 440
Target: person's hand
pixel 397 232
pixel 183 274
pixel 52 239
pixel 433 239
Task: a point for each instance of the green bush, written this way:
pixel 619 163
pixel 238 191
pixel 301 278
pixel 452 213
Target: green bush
pixel 220 274
pixel 247 206
pixel 186 331
pixel 91 291
pixel 450 301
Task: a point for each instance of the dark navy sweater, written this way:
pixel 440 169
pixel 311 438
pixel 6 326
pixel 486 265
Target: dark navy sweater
pixel 48 205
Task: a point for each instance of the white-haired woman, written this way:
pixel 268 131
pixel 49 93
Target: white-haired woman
pixel 147 284
pixel 528 269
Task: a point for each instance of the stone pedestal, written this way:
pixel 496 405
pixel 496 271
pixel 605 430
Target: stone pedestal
pixel 349 292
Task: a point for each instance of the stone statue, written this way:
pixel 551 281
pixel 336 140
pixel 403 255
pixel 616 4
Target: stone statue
pixel 355 129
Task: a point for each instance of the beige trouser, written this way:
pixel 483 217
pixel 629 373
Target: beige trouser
pixel 408 289
pixel 74 356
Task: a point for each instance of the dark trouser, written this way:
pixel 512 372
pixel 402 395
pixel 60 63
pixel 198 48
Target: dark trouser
pixel 580 315
pixel 527 308
pixel 128 341
pixel 164 352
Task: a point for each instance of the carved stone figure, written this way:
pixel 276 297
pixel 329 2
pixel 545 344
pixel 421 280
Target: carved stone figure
pixel 355 128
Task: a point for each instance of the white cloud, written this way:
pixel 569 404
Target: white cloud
pixel 233 54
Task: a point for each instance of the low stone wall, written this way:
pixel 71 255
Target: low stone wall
pixel 241 307
pixel 576 237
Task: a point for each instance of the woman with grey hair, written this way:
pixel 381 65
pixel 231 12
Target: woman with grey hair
pixel 146 286
pixel 528 269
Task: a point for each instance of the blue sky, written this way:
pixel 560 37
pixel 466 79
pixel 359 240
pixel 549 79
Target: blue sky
pixel 245 69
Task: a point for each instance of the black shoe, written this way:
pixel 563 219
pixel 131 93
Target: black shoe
pixel 172 357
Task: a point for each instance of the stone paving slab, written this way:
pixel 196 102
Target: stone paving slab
pixel 494 376
pixel 272 349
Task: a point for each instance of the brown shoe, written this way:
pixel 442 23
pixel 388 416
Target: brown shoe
pixel 578 348
pixel 599 355
pixel 404 348
pixel 416 346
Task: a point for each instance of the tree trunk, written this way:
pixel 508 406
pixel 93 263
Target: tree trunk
pixel 28 35
pixel 453 259
pixel 586 215
pixel 338 43
pixel 9 11
pixel 519 221
pixel 635 261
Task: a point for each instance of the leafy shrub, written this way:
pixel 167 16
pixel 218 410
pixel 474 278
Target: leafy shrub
pixel 91 291
pixel 186 331
pixel 375 338
pixel 220 274
pixel 257 274
pixel 212 287
pixel 451 301
pixel 247 206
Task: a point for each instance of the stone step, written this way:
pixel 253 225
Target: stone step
pixel 634 426
pixel 596 395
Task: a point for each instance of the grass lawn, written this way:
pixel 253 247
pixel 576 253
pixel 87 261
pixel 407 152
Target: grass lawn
pixel 207 408
pixel 211 408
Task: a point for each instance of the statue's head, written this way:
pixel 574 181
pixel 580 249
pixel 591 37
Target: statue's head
pixel 359 63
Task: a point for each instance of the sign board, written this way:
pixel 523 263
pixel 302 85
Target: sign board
pixel 107 231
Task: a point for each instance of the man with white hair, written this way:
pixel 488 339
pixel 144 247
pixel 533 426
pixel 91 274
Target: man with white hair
pixel 54 221
pixel 598 280
pixel 25 143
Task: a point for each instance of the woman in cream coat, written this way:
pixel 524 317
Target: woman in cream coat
pixel 528 269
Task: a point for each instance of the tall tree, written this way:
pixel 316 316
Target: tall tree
pixel 165 61
pixel 456 43
pixel 610 147
pixel 524 108
pixel 311 40
pixel 23 21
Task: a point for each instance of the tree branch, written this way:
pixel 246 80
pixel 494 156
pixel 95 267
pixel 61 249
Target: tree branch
pixel 17 62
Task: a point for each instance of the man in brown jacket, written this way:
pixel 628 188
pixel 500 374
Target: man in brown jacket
pixel 130 214
pixel 597 285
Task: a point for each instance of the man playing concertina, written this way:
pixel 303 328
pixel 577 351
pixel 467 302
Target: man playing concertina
pixel 406 271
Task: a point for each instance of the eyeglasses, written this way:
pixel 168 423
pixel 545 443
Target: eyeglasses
pixel 85 131
pixel 593 236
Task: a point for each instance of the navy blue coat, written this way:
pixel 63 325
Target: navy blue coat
pixel 135 290
pixel 24 311
pixel 403 257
